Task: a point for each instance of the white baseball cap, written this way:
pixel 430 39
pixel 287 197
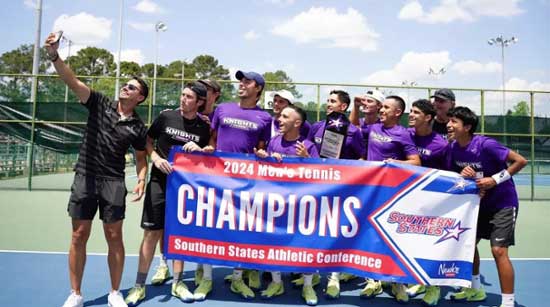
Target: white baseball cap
pixel 285 95
pixel 376 95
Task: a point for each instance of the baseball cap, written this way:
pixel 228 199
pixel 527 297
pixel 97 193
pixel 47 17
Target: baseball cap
pixel 376 95
pixel 445 94
pixel 251 76
pixel 286 95
pixel 198 88
pixel 213 84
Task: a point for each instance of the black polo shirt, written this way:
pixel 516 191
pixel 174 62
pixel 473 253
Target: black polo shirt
pixel 107 138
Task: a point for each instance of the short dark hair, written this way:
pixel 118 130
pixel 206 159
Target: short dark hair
pixel 300 111
pixel 400 101
pixel 343 96
pixel 144 88
pixel 467 116
pixel 425 106
pixel 200 91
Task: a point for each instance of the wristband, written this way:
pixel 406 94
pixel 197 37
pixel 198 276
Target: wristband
pixel 54 58
pixel 501 176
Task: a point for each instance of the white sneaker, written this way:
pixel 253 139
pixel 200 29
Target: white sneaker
pixel 115 299
pixel 74 300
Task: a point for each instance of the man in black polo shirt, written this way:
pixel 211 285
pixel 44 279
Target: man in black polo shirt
pixel 111 128
pixel 443 101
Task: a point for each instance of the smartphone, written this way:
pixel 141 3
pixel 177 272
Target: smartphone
pixel 58 36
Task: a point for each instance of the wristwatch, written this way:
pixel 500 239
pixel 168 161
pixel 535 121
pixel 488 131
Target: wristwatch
pixel 54 57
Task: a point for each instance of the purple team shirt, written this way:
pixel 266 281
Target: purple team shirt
pixel 288 148
pixel 240 130
pixel 432 149
pixel 487 157
pixel 354 148
pixel 389 143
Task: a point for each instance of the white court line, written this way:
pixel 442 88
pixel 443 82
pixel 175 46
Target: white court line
pixel 135 255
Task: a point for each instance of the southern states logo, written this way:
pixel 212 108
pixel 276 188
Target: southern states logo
pixel 444 227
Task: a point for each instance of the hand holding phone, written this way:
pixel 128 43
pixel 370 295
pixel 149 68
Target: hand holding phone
pixel 57 37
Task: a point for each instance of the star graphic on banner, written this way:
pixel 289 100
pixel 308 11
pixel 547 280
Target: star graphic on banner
pixel 460 184
pixel 336 123
pixel 452 232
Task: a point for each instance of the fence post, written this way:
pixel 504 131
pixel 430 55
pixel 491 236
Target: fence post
pixel 532 101
pixel 482 93
pixel 318 102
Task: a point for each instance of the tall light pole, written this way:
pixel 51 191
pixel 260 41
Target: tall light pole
pixel 69 43
pixel 117 83
pixel 499 41
pixel 159 26
pixel 34 89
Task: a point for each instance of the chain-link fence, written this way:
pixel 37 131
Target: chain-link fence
pixel 49 132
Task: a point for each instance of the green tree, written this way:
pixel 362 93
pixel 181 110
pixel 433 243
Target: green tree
pixel 128 69
pixel 283 82
pixel 19 61
pixel 520 109
pixel 92 61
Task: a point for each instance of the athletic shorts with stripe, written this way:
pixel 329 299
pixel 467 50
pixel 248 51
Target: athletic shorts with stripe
pixel 498 226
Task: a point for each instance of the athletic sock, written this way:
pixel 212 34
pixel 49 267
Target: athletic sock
pixel 163 260
pixel 177 276
pixel 237 274
pixel 207 271
pixel 308 279
pixel 476 281
pixel 276 276
pixel 140 279
pixel 508 300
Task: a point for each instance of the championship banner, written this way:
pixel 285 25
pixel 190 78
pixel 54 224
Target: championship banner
pixel 386 221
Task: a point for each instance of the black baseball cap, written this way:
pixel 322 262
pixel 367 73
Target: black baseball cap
pixel 213 84
pixel 445 94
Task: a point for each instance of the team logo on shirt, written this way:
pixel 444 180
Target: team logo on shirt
pixel 241 124
pixel 181 135
pixel 380 138
pixel 474 165
pixel 425 152
pixel 437 226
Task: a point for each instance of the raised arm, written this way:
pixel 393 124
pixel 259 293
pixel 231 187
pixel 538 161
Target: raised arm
pixel 81 90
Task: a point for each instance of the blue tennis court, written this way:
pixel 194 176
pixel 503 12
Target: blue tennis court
pixel 41 279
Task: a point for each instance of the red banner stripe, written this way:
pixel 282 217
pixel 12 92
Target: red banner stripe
pixel 304 257
pixel 290 172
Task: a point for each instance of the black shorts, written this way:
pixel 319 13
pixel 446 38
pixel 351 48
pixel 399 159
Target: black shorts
pixel 154 204
pixel 498 226
pixel 88 193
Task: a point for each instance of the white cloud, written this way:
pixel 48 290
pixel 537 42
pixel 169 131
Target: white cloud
pixel 251 35
pixel 148 7
pixel 31 4
pixel 502 8
pixel 64 50
pixel 142 26
pixel 83 28
pixel 459 10
pixel 473 67
pixel 413 66
pixel 130 55
pixel 328 28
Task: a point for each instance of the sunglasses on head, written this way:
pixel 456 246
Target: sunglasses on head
pixel 132 87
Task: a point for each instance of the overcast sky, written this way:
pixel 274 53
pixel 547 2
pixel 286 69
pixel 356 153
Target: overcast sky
pixel 356 42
